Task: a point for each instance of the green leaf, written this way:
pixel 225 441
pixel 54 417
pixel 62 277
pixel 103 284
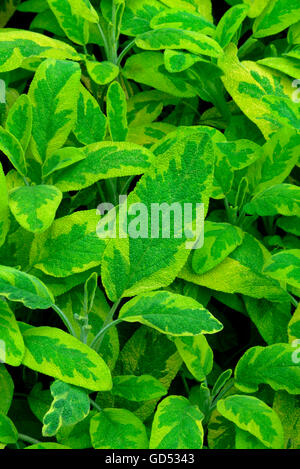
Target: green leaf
pixel 177 425
pixel 118 429
pixel 91 123
pixel 133 265
pixel 294 327
pixel 271 319
pixel 148 68
pixel 256 7
pixel 283 199
pixel 39 401
pixel 138 15
pixel 24 288
pixel 273 365
pixel 171 38
pixel 70 405
pixel 277 16
pixel 220 240
pixel 240 272
pixel 255 89
pixel 221 432
pixel 280 155
pixel 116 112
pixel 138 388
pixel 19 45
pixel 203 7
pixel 34 207
pixel 11 341
pixel 54 94
pixel 146 352
pixel 286 65
pixel 221 381
pixel 7 390
pixel 4 210
pixel 178 61
pixel 8 432
pixel 230 23
pixel 47 446
pixel 69 246
pixel 254 416
pixel 103 160
pixel 102 73
pixel 19 120
pixel 55 353
pixel 171 314
pixel 288 409
pixel 10 146
pixel 289 224
pixel 196 354
pixel 182 19
pixel 71 20
pixel 285 266
pixel 61 159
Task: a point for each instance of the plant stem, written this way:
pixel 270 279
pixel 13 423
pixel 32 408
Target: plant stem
pixel 65 320
pixel 293 301
pixel 106 48
pixel 28 439
pixel 94 404
pixel 124 52
pixel 109 322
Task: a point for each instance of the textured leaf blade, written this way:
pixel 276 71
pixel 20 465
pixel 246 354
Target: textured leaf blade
pixel 104 160
pixel 128 266
pixel 70 246
pixel 170 313
pixel 34 207
pixel 220 240
pixel 177 425
pixel 254 416
pixel 70 405
pixel 138 388
pixel 273 365
pixel 10 336
pixel 24 288
pixel 19 120
pixel 54 93
pixel 169 38
pixel 118 429
pixel 54 352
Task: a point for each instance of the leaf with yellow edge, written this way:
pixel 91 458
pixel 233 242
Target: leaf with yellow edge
pixel 55 353
pixel 69 246
pixel 4 210
pixel 21 44
pixel 255 417
pixel 10 335
pixel 177 425
pixel 102 73
pixel 34 207
pixel 54 93
pixel 253 87
pixel 118 429
pixel 170 314
pixel 19 120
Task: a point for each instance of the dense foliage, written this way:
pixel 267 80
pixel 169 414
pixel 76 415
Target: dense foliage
pixel 139 342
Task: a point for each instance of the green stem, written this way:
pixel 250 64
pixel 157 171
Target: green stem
pixel 293 301
pixel 124 52
pixel 105 44
pixel 94 404
pixel 65 320
pixel 109 322
pixel 127 185
pixel 28 439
